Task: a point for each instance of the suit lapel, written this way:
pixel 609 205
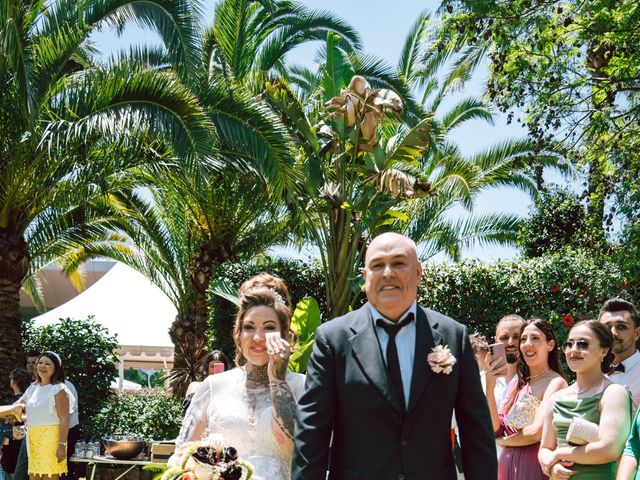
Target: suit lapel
pixel 366 350
pixel 427 337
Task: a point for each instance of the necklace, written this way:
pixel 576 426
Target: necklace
pixel 539 375
pixel 585 390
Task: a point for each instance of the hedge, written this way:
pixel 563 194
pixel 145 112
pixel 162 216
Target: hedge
pixel 151 413
pixel 560 288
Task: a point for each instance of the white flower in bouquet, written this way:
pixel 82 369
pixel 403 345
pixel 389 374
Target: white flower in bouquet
pixel 207 460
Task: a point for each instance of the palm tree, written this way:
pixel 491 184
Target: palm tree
pixel 58 111
pixel 202 215
pixel 176 235
pixel 368 172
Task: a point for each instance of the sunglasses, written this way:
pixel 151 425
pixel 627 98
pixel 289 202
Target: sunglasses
pixel 580 345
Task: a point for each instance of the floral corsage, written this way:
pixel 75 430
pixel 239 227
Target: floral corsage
pixel 207 460
pixel 441 360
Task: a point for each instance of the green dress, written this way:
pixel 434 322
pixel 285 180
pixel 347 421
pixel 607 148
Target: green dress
pixel 564 410
pixel 633 444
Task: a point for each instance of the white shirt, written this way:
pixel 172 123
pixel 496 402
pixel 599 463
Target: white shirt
pixel 630 377
pixel 405 345
pixel 41 404
pixel 73 401
pixel 74 418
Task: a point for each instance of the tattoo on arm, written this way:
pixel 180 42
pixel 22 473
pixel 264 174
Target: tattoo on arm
pixel 284 407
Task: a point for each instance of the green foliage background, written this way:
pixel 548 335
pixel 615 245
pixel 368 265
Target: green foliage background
pixel 153 414
pixel 88 359
pixel 550 287
pixel 557 220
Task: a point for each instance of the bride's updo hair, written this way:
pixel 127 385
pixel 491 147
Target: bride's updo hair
pixel 265 290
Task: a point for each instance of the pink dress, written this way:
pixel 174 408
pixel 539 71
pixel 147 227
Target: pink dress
pixel 517 463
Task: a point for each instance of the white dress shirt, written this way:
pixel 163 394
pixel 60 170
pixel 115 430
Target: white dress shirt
pixel 630 377
pixel 405 344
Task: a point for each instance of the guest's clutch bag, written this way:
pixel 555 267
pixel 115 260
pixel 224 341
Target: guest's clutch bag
pixel 523 411
pixel 582 431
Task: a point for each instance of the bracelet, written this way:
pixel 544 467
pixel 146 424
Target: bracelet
pixel 62 443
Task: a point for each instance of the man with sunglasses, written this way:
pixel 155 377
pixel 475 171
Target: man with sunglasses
pixel 622 319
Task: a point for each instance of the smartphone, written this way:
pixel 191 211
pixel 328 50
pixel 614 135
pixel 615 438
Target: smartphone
pixel 218 367
pixel 497 351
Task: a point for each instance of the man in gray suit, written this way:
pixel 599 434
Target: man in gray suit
pixel 383 381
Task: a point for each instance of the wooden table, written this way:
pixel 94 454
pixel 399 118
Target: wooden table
pixel 108 460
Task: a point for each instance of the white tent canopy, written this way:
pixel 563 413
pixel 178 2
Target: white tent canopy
pixel 127 304
pixel 127 385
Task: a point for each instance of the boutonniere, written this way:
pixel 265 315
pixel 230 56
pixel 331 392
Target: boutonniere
pixel 441 360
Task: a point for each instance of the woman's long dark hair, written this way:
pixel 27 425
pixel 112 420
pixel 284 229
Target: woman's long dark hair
pixel 546 328
pixel 213 356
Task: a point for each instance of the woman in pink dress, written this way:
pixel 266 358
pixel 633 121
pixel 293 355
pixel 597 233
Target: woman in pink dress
pixel 521 415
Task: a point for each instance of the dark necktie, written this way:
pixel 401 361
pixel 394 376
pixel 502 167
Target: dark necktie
pixel 393 364
pixel 618 368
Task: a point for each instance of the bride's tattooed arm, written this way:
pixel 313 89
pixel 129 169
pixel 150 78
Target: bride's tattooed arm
pixel 284 410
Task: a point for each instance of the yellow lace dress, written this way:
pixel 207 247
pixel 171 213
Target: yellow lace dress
pixel 43 427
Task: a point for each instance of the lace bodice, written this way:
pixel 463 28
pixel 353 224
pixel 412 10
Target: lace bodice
pixel 223 406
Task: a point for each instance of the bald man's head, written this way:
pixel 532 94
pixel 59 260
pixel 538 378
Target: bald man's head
pixel 392 274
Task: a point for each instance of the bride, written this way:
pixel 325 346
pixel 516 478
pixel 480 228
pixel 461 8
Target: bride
pixel 253 407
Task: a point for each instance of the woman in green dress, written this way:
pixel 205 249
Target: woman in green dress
pixel 592 397
pixel 628 468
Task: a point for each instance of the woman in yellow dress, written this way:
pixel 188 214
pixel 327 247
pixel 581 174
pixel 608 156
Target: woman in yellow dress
pixel 48 406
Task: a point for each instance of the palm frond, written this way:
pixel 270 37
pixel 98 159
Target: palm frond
pixel 465 110
pixel 410 54
pixel 32 286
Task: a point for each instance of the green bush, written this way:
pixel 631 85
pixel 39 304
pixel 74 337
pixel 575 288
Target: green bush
pixel 551 287
pixel 557 220
pixel 150 413
pixel 88 359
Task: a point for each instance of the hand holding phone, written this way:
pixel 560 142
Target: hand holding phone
pixel 218 367
pixel 497 351
pixel 498 357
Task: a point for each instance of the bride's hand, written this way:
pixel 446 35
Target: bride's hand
pixel 279 350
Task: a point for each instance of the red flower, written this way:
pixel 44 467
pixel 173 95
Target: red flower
pixel 188 476
pixel 554 288
pixel 568 320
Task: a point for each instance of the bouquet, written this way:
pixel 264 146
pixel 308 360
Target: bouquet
pixel 207 460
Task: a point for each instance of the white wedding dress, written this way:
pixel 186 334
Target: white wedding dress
pixel 223 407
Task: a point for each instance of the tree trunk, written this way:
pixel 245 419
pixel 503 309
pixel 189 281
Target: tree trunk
pixel 598 58
pixel 343 259
pixel 188 351
pixel 14 265
pixel 189 328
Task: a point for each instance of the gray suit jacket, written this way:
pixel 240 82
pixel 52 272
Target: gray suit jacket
pixel 349 395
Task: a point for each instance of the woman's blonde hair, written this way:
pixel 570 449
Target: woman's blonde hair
pixel 265 290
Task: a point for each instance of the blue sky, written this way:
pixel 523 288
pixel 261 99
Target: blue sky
pixel 383 26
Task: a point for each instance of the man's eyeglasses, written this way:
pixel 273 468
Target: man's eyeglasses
pixel 580 345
